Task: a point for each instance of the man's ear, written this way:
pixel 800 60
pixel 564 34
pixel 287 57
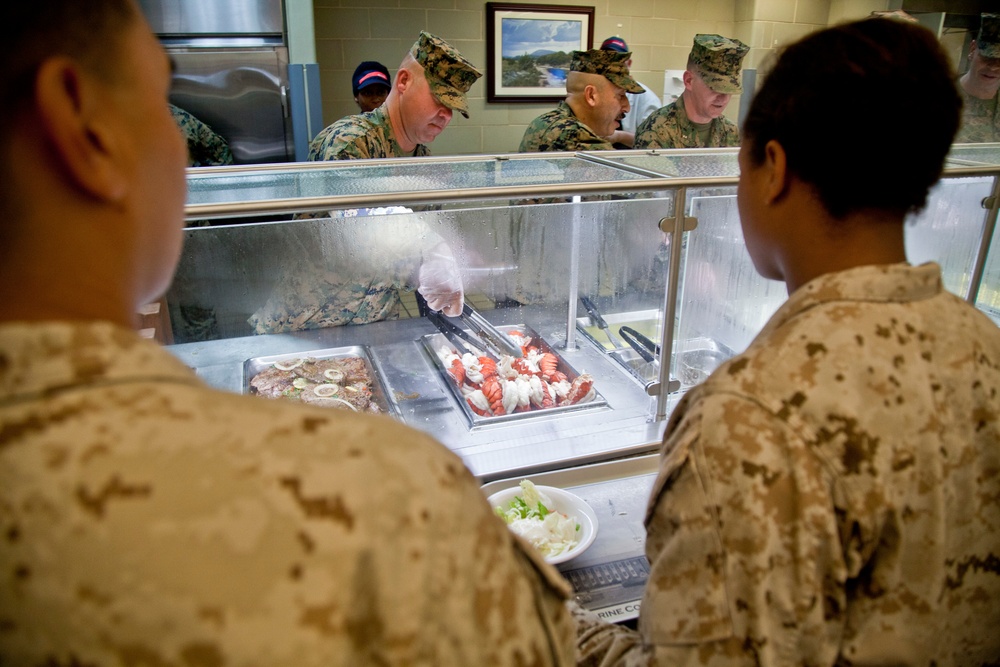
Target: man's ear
pixel 590 95
pixel 403 78
pixel 687 78
pixel 776 166
pixel 72 111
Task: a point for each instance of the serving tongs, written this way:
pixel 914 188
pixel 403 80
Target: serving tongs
pixel 649 352
pixel 485 337
pixel 597 320
pixel 644 347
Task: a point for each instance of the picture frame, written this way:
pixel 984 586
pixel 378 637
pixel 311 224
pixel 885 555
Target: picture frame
pixel 528 49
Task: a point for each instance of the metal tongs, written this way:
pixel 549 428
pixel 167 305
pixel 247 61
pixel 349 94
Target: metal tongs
pixel 485 336
pixel 598 321
pixel 645 348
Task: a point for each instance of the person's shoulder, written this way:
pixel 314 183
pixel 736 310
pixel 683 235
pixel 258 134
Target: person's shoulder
pixel 344 136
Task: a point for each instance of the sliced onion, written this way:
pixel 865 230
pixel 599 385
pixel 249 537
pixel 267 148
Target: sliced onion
pixel 300 383
pixel 288 366
pixel 334 374
pixel 340 400
pixel 326 390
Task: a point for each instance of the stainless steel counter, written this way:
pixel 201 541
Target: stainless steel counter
pixel 538 443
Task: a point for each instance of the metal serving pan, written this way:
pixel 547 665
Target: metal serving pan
pixel 433 342
pixel 380 393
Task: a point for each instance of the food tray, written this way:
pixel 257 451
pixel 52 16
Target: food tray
pixel 433 342
pixel 609 577
pixel 380 393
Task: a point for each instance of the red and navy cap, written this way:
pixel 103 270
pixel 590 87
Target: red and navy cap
pixel 370 73
pixel 615 44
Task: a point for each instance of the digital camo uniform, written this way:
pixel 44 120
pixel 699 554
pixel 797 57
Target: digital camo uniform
pixel 369 135
pixel 829 497
pixel 358 137
pixel 981 118
pixel 717 60
pixel 148 519
pixel 560 129
pixel 206 148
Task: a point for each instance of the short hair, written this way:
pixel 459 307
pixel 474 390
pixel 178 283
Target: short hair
pixel 865 112
pixel 33 31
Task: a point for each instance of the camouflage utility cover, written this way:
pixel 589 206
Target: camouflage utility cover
pixel 988 38
pixel 829 497
pixel 670 127
pixel 560 130
pixel 206 148
pixel 449 74
pixel 612 65
pixel 980 119
pixel 148 519
pixel 718 60
pixel 361 136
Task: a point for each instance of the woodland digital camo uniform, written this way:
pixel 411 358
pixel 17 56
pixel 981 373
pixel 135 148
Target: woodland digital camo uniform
pixel 560 129
pixel 981 118
pixel 669 127
pixel 718 61
pixel 206 148
pixel 358 137
pixel 829 497
pixel 148 519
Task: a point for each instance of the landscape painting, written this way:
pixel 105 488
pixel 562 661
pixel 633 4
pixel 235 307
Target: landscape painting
pixel 529 49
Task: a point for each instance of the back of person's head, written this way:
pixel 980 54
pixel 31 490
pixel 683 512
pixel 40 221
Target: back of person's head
pixel 34 31
pixel 865 112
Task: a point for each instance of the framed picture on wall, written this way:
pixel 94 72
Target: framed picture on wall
pixel 528 49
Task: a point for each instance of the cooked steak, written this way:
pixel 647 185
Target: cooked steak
pixel 336 382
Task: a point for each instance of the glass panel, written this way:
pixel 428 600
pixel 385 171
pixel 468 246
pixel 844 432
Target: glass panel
pixel 988 299
pixel 948 230
pixel 723 302
pixel 256 278
pixel 685 165
pixel 345 178
pixel 973 154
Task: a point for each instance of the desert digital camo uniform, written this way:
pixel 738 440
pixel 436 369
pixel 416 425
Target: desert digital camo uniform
pixel 670 127
pixel 829 497
pixel 148 519
pixel 561 130
pixel 206 148
pixel 980 119
pixel 361 136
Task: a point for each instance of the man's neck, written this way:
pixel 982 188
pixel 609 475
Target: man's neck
pixel 392 110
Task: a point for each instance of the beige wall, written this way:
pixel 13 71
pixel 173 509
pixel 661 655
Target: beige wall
pixel 659 32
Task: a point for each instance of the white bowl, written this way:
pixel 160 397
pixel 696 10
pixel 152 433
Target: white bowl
pixel 569 504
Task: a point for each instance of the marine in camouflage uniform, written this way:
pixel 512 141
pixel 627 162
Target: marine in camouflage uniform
pixel 370 135
pixel 561 129
pixel 717 60
pixel 814 509
pixel 206 148
pixel 317 296
pixel 148 519
pixel 981 117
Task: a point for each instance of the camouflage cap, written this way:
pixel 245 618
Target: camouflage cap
pixel 449 74
pixel 988 39
pixel 609 64
pixel 718 60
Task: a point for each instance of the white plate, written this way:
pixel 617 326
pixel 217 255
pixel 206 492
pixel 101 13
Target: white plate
pixel 569 504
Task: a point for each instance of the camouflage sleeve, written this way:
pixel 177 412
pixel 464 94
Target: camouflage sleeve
pixel 725 134
pixel 653 132
pixel 565 134
pixel 206 147
pixel 341 141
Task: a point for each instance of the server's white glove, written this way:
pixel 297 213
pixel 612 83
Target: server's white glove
pixel 441 281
